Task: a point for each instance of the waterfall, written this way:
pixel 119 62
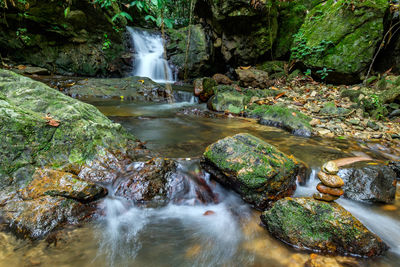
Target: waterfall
pixel 149 56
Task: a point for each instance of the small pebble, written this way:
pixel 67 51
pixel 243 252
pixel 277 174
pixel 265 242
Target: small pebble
pixel 330 167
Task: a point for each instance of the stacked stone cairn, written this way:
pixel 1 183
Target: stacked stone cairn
pixel 330 187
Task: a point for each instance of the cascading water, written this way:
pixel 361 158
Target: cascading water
pixel 149 58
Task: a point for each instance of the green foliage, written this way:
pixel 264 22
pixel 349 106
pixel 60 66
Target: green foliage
pixel 323 73
pixel 301 50
pixel 104 3
pixel 106 43
pixel 122 14
pixel 22 34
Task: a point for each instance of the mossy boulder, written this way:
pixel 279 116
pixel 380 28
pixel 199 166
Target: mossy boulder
pixel 310 224
pixel 242 32
pixel 64 141
pixel 340 36
pixel 291 16
pixel 290 120
pixel 200 53
pixel 235 99
pixel 258 171
pixel 130 88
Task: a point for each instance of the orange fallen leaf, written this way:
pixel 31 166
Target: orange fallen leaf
pixel 208 212
pixel 245 68
pixel 313 256
pixel 294 114
pixel 280 95
pixel 389 207
pixel 141 81
pixel 21 67
pixel 273 88
pixel 53 122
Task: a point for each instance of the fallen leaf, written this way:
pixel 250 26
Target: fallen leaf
pixel 53 122
pixel 245 68
pixel 141 81
pixel 280 95
pixel 208 212
pixel 21 67
pixel 294 114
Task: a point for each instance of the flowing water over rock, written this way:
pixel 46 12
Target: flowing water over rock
pixel 149 58
pixel 222 230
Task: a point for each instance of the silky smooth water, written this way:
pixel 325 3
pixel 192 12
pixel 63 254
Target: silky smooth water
pixel 181 234
pixel 149 58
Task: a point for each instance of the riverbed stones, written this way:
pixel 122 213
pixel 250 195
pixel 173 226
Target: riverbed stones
pixel 330 188
pixel 310 224
pixel 325 197
pixel 258 171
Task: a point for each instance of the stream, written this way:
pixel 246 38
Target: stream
pixel 189 233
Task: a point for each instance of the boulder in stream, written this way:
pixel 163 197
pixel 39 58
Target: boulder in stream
pixel 258 171
pixel 131 88
pixel 363 181
pixel 49 147
pixel 311 224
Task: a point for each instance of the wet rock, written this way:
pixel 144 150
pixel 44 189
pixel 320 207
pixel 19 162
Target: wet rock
pixel 325 197
pixel 329 190
pixel 146 181
pixel 203 88
pixel 62 184
pixel 38 217
pixel 311 224
pixel 290 120
pixel 395 166
pixel 253 78
pixel 259 172
pixel 374 183
pixel 330 180
pixel 32 70
pixel 222 79
pixel 330 167
pixel 130 88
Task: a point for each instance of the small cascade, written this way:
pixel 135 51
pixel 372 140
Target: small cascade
pixel 149 56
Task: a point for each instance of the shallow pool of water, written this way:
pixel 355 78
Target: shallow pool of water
pixel 226 233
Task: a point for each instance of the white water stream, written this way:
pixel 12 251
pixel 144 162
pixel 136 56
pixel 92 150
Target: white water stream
pixel 149 58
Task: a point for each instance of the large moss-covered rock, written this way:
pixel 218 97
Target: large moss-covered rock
pixel 311 224
pixel 62 139
pixel 259 172
pixel 199 55
pixel 130 88
pixel 43 33
pixel 241 31
pixel 290 120
pixel 363 181
pixel 341 36
pixel 291 17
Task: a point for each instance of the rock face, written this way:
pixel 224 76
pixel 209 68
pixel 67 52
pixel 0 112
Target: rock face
pixel 351 32
pixel 130 88
pixel 200 53
pixel 66 44
pixel 241 31
pixel 49 147
pixel 311 224
pixel 376 183
pixel 259 172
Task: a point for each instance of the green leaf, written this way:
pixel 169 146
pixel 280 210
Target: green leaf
pixel 150 17
pixel 66 11
pixel 168 23
pixel 122 14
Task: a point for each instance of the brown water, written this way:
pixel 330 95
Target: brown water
pixel 180 235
